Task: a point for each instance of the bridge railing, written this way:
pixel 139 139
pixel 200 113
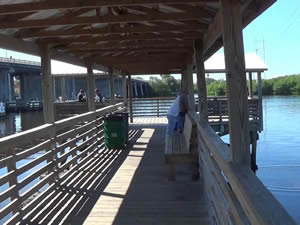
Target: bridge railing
pixel 34 162
pixel 235 195
pixel 19 61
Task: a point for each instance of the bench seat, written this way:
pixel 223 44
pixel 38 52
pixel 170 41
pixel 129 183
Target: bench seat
pixel 182 149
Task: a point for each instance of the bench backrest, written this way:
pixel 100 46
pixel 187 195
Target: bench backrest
pixel 189 133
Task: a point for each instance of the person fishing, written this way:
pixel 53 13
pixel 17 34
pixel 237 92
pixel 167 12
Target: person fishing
pixel 81 96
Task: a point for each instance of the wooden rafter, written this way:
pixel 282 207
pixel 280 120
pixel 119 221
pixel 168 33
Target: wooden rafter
pixel 119 30
pixel 103 20
pixel 73 4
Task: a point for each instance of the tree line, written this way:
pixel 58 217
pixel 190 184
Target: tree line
pixel 169 86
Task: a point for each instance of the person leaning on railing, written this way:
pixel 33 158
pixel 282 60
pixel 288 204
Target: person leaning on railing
pixel 176 114
pixel 183 109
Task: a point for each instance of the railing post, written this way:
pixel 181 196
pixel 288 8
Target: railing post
pixel 250 85
pixel 157 107
pixel 260 108
pixel 130 98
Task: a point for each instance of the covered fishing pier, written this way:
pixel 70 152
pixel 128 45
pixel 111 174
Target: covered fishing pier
pixel 61 172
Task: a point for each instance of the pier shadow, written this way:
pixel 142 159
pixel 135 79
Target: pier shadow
pixel 71 202
pixel 150 198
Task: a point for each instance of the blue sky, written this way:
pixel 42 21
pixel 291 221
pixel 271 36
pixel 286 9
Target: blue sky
pixel 275 36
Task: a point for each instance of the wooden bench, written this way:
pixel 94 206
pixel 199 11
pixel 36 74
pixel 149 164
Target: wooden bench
pixel 182 149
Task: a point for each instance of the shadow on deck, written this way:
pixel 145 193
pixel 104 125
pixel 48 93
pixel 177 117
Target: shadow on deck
pixel 126 187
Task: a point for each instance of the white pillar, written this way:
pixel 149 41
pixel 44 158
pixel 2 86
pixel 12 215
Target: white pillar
pixel 260 108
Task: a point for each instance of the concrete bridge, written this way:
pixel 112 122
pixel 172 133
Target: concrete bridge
pixel 21 79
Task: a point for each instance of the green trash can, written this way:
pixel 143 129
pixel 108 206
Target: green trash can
pixel 126 124
pixel 114 132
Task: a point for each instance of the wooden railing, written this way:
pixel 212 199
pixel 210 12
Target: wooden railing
pixel 34 162
pixel 217 108
pixel 234 193
pixel 151 107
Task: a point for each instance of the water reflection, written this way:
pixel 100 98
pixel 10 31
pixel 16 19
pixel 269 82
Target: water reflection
pixel 16 122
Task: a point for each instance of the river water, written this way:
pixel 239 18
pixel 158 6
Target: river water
pixel 278 155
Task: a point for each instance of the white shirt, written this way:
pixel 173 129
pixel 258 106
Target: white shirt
pixel 174 109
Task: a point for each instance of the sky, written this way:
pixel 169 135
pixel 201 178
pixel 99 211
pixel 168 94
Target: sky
pixel 274 36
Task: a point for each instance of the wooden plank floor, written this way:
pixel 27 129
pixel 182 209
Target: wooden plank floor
pixel 131 188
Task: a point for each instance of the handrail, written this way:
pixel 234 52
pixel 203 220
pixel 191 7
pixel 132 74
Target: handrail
pixel 236 186
pixel 45 155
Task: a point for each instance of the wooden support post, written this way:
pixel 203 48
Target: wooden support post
pixel 124 90
pixel 130 98
pixel 260 108
pixel 201 83
pixel 91 86
pixel 250 85
pixel 236 80
pixel 74 90
pixel 63 89
pixel 254 138
pixel 188 85
pixel 47 84
pixel 112 87
pixel 54 87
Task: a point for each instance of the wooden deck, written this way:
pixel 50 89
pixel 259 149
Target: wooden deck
pixel 127 187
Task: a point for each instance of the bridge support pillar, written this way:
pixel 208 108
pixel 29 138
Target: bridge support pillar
pixel 201 83
pixel 236 80
pixel 47 84
pixel 63 88
pixel 4 90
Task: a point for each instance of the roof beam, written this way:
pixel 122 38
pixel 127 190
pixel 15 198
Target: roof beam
pixel 119 30
pixel 130 18
pixel 74 4
pixel 104 51
pixel 132 44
